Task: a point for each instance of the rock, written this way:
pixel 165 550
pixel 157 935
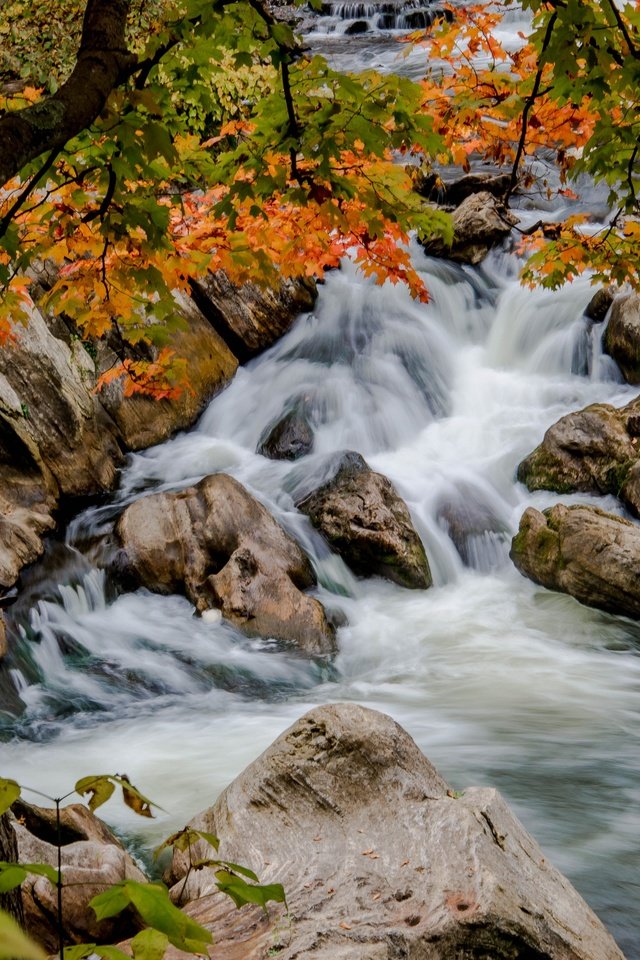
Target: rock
pixel 219 545
pixel 585 451
pixel 92 860
pixel 144 421
pixel 250 318
pixel 429 185
pixel 589 451
pixel 363 519
pixel 622 336
pixel 52 387
pixel 592 555
pixel 289 438
pixel 379 858
pixel 598 307
pixel 59 439
pixel 479 223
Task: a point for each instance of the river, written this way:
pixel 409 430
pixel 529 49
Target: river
pixel 500 682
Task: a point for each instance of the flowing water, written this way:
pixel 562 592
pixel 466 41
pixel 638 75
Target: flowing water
pixel 500 682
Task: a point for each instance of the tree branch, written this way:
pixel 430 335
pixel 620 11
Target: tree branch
pixel 531 99
pixel 102 63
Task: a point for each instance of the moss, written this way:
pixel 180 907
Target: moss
pixel 542 471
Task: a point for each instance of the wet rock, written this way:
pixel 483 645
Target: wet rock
pixel 598 307
pixel 219 545
pixel 379 858
pixel 591 555
pixel 61 439
pixel 451 194
pixel 480 222
pixel 361 516
pixel 622 336
pixel 290 438
pixel 589 451
pixel 92 860
pixel 250 318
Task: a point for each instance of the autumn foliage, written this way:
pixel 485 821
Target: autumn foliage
pixel 238 151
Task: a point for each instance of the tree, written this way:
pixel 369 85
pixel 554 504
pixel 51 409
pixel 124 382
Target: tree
pixel 216 143
pixel 202 136
pixel 570 95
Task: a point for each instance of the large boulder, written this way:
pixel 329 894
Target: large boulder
pixel 219 545
pixel 92 860
pixel 589 451
pixel 379 858
pixel 592 555
pixel 480 222
pixel 452 192
pixel 144 421
pixel 622 336
pixel 60 438
pixel 249 318
pixel 361 516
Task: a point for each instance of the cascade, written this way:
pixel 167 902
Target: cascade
pixel 500 682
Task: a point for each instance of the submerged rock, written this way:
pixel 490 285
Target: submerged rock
pixel 480 222
pixel 218 545
pixel 379 858
pixel 361 516
pixel 288 438
pixel 92 860
pixel 591 555
pixel 590 451
pixel 474 527
pixel 622 336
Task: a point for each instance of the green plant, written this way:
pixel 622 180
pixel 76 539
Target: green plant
pixel 165 923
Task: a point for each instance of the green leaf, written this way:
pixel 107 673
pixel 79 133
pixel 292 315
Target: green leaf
pixel 212 840
pixel 111 902
pixel 108 952
pixel 149 945
pixel 241 892
pixel 42 870
pixel 100 787
pixel 152 902
pixel 80 951
pixel 11 876
pixel 235 867
pixel 16 945
pixel 9 793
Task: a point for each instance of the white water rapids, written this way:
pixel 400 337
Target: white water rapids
pixel 500 682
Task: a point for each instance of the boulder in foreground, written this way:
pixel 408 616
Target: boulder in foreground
pixel 379 859
pixel 218 545
pixel 592 555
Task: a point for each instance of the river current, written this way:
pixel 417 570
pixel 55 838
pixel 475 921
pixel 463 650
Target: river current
pixel 500 682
